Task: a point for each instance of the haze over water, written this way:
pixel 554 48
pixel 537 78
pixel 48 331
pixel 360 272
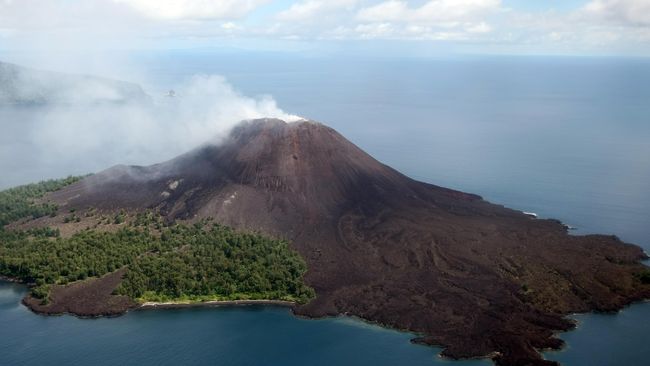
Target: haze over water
pixel 567 138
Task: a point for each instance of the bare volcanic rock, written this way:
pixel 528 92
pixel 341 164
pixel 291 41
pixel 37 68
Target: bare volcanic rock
pixel 477 278
pixel 90 298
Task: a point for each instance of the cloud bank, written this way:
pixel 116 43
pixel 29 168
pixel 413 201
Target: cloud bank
pixel 621 12
pixel 483 25
pixel 193 9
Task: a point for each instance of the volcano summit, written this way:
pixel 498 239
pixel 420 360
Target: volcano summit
pixel 479 279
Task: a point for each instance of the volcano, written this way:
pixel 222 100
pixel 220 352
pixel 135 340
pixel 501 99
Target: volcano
pixel 478 279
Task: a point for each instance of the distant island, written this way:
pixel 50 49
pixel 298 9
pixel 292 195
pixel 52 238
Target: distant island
pixel 294 212
pixel 22 86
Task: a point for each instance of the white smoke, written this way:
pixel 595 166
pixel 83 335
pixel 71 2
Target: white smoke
pixel 62 130
pixel 209 106
pixel 72 138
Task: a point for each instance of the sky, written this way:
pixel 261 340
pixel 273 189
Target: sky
pixel 386 27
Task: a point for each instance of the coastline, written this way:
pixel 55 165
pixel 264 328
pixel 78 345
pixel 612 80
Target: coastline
pixel 267 302
pixel 51 309
pixel 11 279
pixel 213 303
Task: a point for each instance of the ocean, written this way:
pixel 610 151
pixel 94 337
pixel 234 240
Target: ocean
pixel 566 138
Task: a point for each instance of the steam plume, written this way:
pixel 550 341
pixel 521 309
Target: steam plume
pixel 69 137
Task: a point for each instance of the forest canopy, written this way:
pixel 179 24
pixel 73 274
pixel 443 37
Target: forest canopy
pixel 19 202
pixel 174 262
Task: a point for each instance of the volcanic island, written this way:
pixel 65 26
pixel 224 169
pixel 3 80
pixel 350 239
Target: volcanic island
pixel 305 218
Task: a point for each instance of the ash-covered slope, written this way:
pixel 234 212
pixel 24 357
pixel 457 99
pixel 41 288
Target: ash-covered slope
pixel 25 86
pixel 474 277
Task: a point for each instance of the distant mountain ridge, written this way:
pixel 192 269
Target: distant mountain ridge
pixel 25 86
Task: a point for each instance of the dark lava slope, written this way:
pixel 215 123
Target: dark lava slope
pixel 477 278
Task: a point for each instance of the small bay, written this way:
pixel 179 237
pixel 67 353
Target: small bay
pixel 244 335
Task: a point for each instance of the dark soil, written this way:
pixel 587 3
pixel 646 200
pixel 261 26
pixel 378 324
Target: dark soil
pixel 90 298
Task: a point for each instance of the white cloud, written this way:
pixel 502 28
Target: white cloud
pixel 434 20
pixel 309 9
pixel 481 27
pixel 625 12
pixel 488 24
pixel 375 30
pixel 441 12
pixel 193 9
pixel 599 27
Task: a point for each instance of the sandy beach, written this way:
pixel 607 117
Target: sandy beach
pixel 171 304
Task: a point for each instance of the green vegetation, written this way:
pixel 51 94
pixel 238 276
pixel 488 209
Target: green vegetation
pixel 200 263
pixel 19 202
pixel 164 262
pixel 644 276
pixel 119 218
pixel 46 260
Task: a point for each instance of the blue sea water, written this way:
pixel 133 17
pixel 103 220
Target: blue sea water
pixel 567 138
pixel 608 339
pixel 251 335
